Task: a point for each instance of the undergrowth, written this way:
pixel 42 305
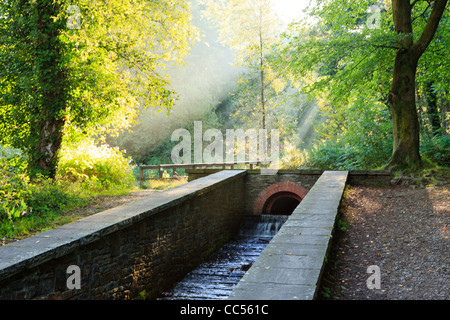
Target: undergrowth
pixel 85 172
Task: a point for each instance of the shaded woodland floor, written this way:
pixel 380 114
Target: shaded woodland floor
pixel 401 229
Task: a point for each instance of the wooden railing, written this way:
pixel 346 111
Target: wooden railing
pixel 174 167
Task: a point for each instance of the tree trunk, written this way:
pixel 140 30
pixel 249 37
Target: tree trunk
pixel 405 119
pixel 261 66
pixel 406 142
pixel 51 90
pixel 45 154
pixel 263 105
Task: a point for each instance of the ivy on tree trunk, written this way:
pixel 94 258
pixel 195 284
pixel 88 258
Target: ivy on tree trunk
pixel 51 88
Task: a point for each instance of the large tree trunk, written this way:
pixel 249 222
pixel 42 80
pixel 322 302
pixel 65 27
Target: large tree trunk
pixel 51 93
pixel 50 139
pixel 404 114
pixel 405 153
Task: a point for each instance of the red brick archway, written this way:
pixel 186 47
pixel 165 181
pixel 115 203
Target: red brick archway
pixel 274 192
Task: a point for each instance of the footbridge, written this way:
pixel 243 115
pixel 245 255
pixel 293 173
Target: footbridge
pixel 148 245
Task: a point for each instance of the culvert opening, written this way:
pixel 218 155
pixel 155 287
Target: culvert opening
pixel 279 198
pixel 283 203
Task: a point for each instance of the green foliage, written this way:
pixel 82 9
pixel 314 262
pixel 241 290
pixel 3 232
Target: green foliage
pixel 340 55
pixel 354 137
pixel 34 87
pixel 44 201
pixel 159 155
pixel 437 149
pixel 250 28
pixel 292 157
pixel 347 64
pixel 339 155
pixel 333 155
pixel 325 292
pixel 435 62
pixel 200 84
pixel 283 104
pixel 13 184
pixel 46 195
pixel 27 204
pixel 85 171
pixel 142 295
pixel 116 58
pixel 100 167
pixel 92 77
pixel 342 225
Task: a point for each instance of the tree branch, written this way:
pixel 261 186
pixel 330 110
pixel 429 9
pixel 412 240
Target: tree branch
pixel 427 35
pixel 385 46
pixel 423 13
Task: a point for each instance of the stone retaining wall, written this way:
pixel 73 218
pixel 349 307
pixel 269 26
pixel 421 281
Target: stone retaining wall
pixel 146 245
pixel 255 182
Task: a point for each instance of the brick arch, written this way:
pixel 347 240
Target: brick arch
pixel 277 191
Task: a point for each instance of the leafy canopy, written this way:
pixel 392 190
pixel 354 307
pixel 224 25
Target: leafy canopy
pixel 113 54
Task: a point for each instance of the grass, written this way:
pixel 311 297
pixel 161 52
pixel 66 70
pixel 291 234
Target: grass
pixel 59 203
pixel 163 184
pixel 51 205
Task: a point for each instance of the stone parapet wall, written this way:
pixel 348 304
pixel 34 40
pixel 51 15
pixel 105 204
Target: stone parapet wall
pixel 145 245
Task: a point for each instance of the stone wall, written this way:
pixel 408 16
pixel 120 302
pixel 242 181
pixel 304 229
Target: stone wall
pixel 146 245
pixel 255 182
pixel 369 177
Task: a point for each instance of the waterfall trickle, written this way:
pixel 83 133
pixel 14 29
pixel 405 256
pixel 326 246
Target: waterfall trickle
pixel 262 226
pixel 216 278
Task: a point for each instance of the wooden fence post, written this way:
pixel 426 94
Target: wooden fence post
pixel 141 177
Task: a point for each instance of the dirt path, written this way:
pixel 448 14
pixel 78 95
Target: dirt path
pixel 108 202
pixel 401 230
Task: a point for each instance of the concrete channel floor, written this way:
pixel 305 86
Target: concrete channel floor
pixel 291 265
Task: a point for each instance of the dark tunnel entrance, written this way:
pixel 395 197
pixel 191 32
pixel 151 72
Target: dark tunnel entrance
pixel 282 203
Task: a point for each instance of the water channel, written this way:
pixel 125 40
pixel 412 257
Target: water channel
pixel 216 278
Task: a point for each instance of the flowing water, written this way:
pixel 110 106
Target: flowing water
pixel 216 278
